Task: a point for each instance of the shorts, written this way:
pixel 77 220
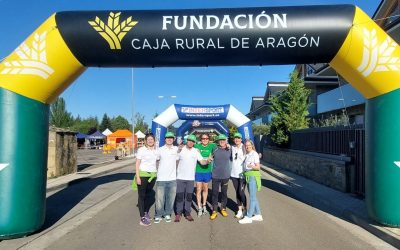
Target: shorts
pixel 202 177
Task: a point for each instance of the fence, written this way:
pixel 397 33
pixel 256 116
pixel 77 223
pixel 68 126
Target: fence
pixel 349 141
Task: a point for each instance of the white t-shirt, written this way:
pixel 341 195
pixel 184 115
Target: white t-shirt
pixel 148 159
pixel 167 166
pixel 237 161
pixel 187 163
pixel 251 158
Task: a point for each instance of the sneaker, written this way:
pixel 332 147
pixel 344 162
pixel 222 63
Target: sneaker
pixel 147 216
pixel 257 217
pixel 224 212
pixel 200 212
pixel 189 218
pixel 239 214
pixel 144 222
pixel 168 218
pixel 177 218
pixel 205 210
pixel 246 220
pixel 157 220
pixel 213 215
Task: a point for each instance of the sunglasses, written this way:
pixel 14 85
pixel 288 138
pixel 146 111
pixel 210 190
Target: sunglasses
pixel 205 138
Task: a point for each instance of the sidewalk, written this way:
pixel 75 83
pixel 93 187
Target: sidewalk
pixel 103 168
pixel 341 204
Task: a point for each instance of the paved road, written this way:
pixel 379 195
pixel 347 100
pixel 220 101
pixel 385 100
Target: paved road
pixel 289 224
pixel 89 158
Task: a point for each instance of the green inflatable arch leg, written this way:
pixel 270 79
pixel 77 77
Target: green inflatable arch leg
pixel 382 153
pixel 23 138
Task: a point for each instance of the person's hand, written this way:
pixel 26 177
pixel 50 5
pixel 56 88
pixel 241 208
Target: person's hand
pixel 260 155
pixel 181 146
pixel 210 158
pixel 138 180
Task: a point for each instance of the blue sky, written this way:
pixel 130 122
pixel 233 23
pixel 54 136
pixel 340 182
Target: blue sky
pixel 109 90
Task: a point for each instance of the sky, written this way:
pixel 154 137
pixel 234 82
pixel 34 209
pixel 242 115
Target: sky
pixel 109 90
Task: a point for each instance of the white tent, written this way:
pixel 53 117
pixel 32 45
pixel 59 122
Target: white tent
pixel 140 134
pixel 107 132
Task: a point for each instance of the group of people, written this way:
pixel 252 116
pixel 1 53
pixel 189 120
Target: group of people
pixel 176 170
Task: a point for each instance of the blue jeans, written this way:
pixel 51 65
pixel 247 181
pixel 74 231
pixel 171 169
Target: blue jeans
pixel 254 207
pixel 165 197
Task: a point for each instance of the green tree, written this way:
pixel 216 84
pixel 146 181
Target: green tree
pixel 86 126
pixel 106 123
pixel 120 122
pixel 59 116
pixel 290 110
pixel 140 124
pixel 262 129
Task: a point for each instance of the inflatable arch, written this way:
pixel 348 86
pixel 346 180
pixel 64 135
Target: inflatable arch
pixel 190 112
pixel 68 42
pixel 187 125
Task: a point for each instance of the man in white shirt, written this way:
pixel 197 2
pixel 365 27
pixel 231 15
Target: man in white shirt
pixel 166 179
pixel 188 158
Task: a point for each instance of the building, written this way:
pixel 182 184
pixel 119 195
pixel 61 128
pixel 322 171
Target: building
pixel 331 95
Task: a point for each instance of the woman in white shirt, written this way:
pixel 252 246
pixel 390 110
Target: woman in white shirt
pixel 253 180
pixel 146 172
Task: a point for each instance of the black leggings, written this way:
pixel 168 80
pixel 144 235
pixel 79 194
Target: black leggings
pixel 240 186
pixel 145 191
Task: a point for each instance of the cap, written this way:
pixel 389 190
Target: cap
pixel 221 137
pixel 192 138
pixel 237 135
pixel 169 135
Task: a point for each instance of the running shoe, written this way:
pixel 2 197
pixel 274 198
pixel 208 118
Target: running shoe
pixel 213 215
pixel 144 222
pixel 200 212
pixel 167 218
pixel 157 220
pixel 246 220
pixel 239 214
pixel 224 212
pixel 257 217
pixel 205 210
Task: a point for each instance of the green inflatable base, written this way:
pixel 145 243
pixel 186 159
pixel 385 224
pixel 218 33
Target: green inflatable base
pixel 382 183
pixel 24 144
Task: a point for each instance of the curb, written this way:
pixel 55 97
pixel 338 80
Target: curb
pixel 85 177
pixel 346 214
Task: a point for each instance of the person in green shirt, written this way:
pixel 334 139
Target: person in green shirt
pixel 203 173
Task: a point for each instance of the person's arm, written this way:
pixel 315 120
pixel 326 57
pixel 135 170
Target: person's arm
pixel 138 181
pixel 201 159
pixel 257 165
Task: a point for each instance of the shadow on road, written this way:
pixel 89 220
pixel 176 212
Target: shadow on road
pixel 307 199
pixel 60 203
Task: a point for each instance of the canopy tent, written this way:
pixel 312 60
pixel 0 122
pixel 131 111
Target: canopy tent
pixel 121 136
pixel 140 134
pixel 81 136
pixel 107 132
pixel 96 135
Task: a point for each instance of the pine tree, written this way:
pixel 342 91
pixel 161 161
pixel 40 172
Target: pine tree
pixel 59 116
pixel 290 110
pixel 106 123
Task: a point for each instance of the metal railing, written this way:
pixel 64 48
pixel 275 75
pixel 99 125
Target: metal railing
pixel 349 141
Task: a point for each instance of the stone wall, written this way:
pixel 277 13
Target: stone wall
pixel 62 154
pixel 329 170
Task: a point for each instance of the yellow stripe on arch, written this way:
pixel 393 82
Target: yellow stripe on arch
pixel 42 67
pixel 369 59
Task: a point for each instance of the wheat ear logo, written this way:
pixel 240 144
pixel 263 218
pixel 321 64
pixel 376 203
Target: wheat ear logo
pixel 113 32
pixel 378 57
pixel 33 60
